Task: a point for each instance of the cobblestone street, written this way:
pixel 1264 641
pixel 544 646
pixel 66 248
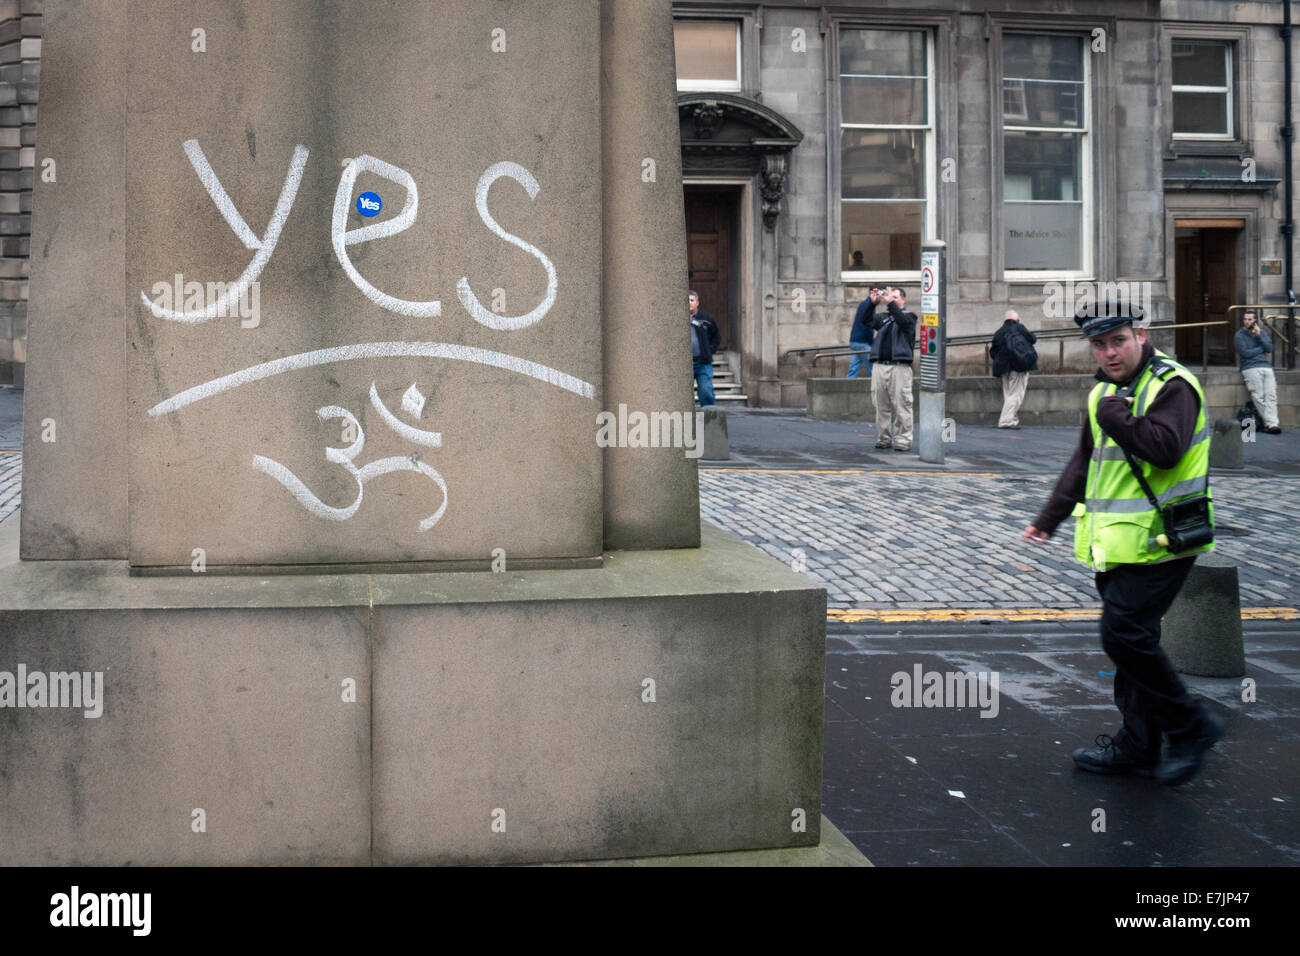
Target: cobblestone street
pixel 953 540
pixel 11 483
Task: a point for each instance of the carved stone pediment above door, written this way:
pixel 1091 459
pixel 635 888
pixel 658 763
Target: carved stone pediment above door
pixel 730 134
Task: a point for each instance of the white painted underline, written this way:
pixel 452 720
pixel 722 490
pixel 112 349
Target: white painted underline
pixel 367 350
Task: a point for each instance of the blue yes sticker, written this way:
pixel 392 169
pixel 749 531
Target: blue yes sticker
pixel 369 204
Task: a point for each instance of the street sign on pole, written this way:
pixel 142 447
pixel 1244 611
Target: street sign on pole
pixel 930 338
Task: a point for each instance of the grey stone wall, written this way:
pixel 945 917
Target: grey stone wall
pixel 1132 214
pixel 20 50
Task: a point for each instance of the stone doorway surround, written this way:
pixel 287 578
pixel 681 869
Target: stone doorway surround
pixel 732 139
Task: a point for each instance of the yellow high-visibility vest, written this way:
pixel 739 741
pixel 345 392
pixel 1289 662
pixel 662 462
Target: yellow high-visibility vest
pixel 1116 524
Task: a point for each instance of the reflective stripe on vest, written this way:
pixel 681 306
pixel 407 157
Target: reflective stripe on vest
pixel 1116 523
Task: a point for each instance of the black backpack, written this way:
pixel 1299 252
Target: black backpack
pixel 1023 356
pixel 1248 413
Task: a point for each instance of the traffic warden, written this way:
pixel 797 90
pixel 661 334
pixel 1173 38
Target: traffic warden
pixel 1138 486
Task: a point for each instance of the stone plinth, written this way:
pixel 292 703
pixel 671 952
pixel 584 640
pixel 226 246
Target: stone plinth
pixel 345 287
pixel 669 702
pixel 453 348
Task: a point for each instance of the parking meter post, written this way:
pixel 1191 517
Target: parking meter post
pixel 931 334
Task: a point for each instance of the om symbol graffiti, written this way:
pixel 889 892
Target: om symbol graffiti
pixel 413 403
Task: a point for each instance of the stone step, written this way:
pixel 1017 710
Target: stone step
pixel 726 397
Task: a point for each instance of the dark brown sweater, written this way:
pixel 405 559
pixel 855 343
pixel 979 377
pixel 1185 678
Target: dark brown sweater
pixel 1160 437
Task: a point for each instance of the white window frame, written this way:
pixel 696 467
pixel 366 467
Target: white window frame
pixel 713 86
pixel 929 219
pixel 1231 135
pixel 1083 131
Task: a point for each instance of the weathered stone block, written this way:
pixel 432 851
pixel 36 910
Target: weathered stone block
pixel 716 444
pixel 1201 632
pixel 1225 444
pixel 840 399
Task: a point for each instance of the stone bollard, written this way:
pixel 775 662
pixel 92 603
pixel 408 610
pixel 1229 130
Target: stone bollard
pixel 1225 444
pixel 716 447
pixel 1202 630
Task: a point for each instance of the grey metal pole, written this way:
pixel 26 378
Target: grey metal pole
pixel 930 432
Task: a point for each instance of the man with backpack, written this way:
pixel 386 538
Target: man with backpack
pixel 1014 357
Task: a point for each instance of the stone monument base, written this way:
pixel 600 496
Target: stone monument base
pixel 667 703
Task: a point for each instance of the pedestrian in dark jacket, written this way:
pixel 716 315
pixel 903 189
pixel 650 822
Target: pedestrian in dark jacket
pixel 704 342
pixel 1015 378
pixel 862 335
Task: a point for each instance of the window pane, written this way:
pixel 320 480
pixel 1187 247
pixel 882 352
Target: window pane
pixel 887 234
pixel 1042 166
pixel 885 101
pixel 1201 113
pixel 706 50
pixel 1199 63
pixel 883 52
pixel 1044 235
pixel 1028 57
pixel 882 164
pixel 1033 103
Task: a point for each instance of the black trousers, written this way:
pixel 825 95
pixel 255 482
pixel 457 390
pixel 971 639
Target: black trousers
pixel 1148 691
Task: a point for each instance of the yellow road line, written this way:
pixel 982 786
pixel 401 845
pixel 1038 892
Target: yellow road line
pixel 794 471
pixel 857 471
pixel 902 615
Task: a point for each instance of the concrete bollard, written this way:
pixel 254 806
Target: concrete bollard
pixel 1201 632
pixel 1225 444
pixel 716 446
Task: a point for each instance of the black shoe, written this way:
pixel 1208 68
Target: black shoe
pixel 883 444
pixel 1183 759
pixel 1108 758
pixel 902 448
pixel 1275 430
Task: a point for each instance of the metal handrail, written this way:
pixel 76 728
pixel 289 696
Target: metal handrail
pixel 1060 336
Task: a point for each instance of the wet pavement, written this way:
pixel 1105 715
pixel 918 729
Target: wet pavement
pixel 945 786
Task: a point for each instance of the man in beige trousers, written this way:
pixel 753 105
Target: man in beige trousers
pixel 891 377
pixel 1013 359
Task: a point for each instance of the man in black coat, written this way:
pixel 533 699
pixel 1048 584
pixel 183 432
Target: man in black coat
pixel 1013 372
pixel 704 342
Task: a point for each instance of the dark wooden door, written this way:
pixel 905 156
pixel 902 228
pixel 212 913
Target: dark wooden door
pixel 1205 285
pixel 1220 257
pixel 1189 297
pixel 709 217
